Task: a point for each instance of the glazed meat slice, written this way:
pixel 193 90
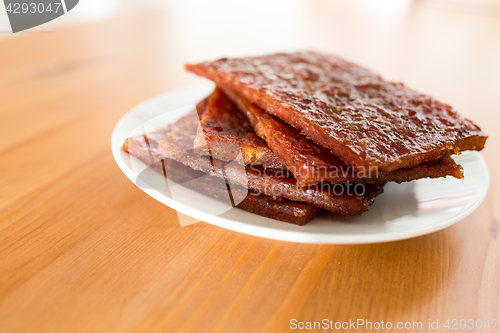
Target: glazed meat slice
pixel 224 133
pixel 145 147
pixel 346 199
pixel 363 119
pixel 311 163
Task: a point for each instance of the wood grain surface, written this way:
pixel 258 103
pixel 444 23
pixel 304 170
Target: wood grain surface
pixel 82 249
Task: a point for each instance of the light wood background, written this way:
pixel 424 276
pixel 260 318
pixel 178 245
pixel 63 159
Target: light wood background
pixel 83 250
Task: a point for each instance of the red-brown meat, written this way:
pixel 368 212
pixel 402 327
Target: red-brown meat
pixel 224 133
pixel 311 163
pixel 363 119
pixel 346 199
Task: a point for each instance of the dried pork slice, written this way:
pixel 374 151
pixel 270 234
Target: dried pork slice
pixel 311 163
pixel 363 119
pixel 145 147
pixel 346 199
pixel 224 132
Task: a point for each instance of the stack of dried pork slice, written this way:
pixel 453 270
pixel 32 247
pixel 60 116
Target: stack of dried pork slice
pixel 145 147
pixel 316 129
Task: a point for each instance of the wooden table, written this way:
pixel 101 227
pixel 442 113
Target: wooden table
pixel 84 250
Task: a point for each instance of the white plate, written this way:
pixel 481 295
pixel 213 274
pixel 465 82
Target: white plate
pixel 402 211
